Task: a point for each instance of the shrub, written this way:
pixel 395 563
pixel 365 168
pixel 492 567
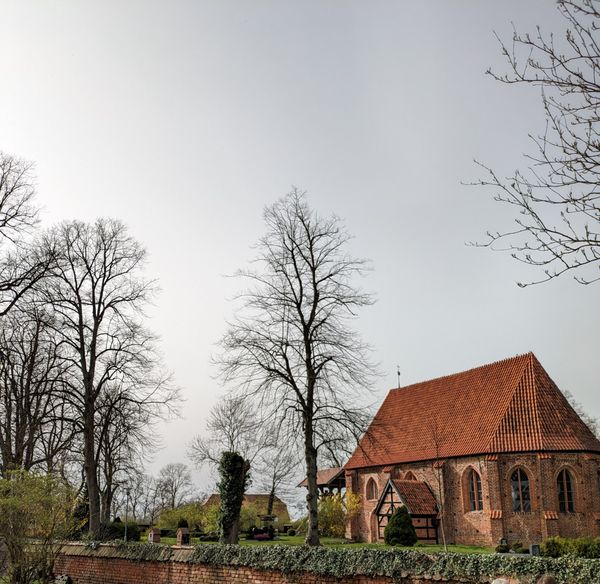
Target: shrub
pixel 400 530
pixel 502 548
pixel 584 547
pixel 34 506
pixel 517 547
pixel 116 530
pixel 249 517
pixel 291 531
pixel 335 512
pixel 191 513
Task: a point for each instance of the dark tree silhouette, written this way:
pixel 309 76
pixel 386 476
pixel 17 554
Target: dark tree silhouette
pixel 291 345
pixel 96 295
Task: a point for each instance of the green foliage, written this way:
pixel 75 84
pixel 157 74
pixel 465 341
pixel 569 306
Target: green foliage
pixel 400 530
pixel 335 512
pixel 371 562
pixel 192 513
pixel 34 507
pixel 249 517
pixel 210 518
pixel 233 470
pixel 583 547
pixel 183 522
pixel 502 548
pixel 517 547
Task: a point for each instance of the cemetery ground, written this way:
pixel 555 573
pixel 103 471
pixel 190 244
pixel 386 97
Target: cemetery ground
pixel 297 540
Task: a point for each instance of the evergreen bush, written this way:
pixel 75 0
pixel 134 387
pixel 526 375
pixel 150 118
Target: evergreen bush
pixel 400 530
pixel 233 470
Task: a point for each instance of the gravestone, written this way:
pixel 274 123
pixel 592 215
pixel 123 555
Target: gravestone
pixel 154 535
pixel 183 536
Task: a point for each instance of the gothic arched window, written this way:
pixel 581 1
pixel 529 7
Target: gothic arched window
pixel 475 492
pixel 564 484
pixel 372 490
pixel 519 488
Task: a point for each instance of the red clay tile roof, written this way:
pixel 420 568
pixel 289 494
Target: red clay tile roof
pixel 507 406
pixel 325 476
pixel 417 497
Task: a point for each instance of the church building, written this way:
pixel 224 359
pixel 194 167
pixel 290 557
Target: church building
pixel 492 453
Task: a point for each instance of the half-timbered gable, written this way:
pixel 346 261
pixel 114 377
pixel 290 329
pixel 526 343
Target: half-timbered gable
pixel 418 500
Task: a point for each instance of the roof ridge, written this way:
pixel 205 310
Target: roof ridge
pixel 529 354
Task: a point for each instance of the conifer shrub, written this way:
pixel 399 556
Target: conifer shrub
pixel 400 530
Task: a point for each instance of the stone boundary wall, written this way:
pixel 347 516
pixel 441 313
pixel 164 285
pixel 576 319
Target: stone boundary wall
pixel 105 565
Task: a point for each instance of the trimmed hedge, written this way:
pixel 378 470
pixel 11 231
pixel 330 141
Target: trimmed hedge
pixel 372 562
pixel 582 547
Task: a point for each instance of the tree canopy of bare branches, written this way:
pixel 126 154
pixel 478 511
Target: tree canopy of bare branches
pixel 35 420
pixel 19 269
pixel 557 199
pixel 232 426
pixel 96 294
pixel 291 345
pixel 174 484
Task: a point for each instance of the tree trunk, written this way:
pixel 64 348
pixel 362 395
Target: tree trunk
pixel 91 470
pixel 271 500
pixel 312 498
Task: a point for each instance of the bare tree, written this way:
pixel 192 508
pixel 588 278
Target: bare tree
pixel 233 425
pixel 124 432
pixel 291 345
pixel 144 498
pixel 590 421
pixel 35 421
pixel 437 466
pixel 557 198
pixel 97 295
pixel 175 484
pixel 276 472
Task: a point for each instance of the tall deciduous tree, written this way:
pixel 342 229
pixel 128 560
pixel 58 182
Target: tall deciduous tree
pixel 291 344
pixel 557 198
pixel 97 295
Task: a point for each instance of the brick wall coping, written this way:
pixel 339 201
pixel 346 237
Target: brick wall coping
pixel 346 563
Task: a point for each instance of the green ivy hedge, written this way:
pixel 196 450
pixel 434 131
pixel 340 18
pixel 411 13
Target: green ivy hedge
pixel 396 564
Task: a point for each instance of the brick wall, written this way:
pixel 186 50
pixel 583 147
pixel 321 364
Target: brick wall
pixel 103 566
pixel 497 518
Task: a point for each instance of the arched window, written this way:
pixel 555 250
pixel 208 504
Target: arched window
pixel 409 476
pixel 521 495
pixel 474 489
pixel 372 490
pixel 564 483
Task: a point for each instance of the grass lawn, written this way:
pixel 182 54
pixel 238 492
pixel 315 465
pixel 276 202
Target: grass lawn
pixel 341 543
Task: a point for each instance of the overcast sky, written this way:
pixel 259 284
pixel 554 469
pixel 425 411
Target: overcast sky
pixel 184 119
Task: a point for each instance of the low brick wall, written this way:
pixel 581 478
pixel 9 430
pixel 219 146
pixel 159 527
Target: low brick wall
pixel 104 566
